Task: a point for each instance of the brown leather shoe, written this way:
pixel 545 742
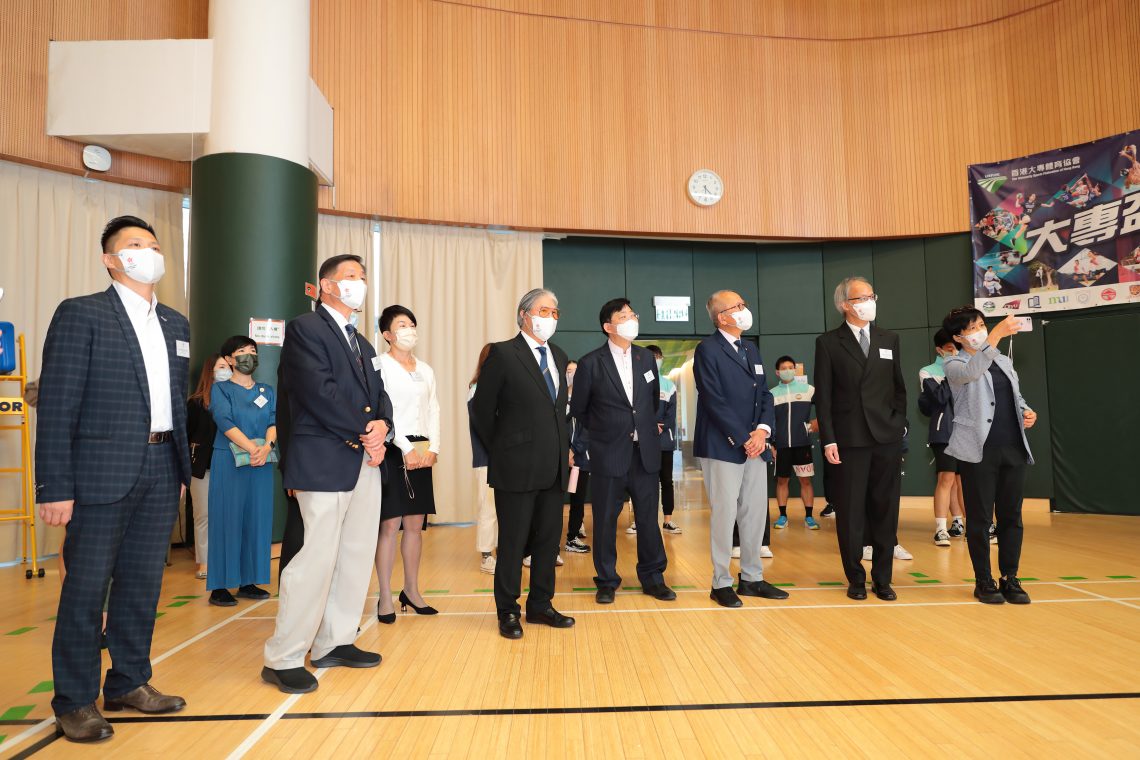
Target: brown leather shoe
pixel 84 725
pixel 145 699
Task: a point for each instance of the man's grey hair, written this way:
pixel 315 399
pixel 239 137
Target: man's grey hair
pixel 528 301
pixel 710 305
pixel 843 288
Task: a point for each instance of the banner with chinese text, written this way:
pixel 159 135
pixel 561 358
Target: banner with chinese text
pixel 1058 230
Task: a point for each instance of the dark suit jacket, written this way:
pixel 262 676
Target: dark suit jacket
pixel 732 399
pixel 93 417
pixel 860 400
pixel 528 443
pixel 600 405
pixel 330 403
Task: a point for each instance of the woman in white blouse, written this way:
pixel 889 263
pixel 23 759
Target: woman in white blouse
pixel 408 494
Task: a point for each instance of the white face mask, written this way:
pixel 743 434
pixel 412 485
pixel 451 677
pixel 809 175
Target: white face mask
pixel 743 319
pixel 144 265
pixel 223 374
pixel 866 311
pixel 543 327
pixel 352 292
pixel 976 339
pixel 627 330
pixel 407 338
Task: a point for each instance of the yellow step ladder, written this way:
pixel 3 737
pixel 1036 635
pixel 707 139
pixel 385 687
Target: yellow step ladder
pixel 15 407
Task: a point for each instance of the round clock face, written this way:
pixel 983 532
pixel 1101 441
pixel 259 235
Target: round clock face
pixel 705 187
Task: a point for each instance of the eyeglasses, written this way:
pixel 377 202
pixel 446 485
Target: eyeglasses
pixel 545 311
pixel 738 307
pixel 864 299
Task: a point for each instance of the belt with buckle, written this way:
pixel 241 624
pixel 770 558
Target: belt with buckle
pixel 166 436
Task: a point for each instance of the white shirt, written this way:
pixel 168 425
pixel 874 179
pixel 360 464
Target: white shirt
pixel 624 362
pixel 341 322
pixel 855 330
pixel 534 346
pixel 415 405
pixel 156 359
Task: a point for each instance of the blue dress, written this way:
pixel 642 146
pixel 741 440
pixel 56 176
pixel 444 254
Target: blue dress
pixel 241 498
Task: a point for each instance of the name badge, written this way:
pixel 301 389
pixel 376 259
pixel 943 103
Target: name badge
pixel 886 353
pixel 261 401
pixel 376 363
pixel 649 376
pixel 182 348
pixel 759 369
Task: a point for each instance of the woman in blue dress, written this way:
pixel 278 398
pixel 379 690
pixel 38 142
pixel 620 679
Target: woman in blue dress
pixel 241 498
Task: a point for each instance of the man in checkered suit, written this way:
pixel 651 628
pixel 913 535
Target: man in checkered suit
pixel 111 458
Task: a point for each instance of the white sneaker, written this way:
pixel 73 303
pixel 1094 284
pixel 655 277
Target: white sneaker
pixel 582 532
pixel 526 561
pixel 941 538
pixel 736 552
pixel 488 564
pixel 558 561
pixel 867 553
pixel 765 552
pixel 901 553
pixel 671 527
pixel 632 529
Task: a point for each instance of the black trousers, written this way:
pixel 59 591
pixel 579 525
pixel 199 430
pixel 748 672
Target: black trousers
pixel 993 487
pixel 578 505
pixel 867 485
pixel 294 536
pixel 665 478
pixel 127 541
pixel 530 522
pixel 609 494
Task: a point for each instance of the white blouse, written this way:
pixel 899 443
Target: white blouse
pixel 415 405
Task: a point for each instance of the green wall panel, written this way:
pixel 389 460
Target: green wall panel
pixel 577 343
pixel 948 275
pixel 843 259
pixel 900 281
pixel 724 266
pixel 584 273
pixel 658 268
pixel 791 300
pixel 918 475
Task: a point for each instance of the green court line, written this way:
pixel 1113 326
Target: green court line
pixel 631 588
pixel 3 737
pixel 927 580
pixel 20 631
pixel 50 619
pixel 43 686
pixel 1027 579
pixel 832 583
pixel 970 580
pixel 783 585
pixel 917 575
pixel 1073 578
pixel 17 713
pixel 484 591
pixel 178 604
pixel 684 588
pixel 585 588
pixel 191 596
pixel 1122 577
pixel 436 591
pixel 157 615
pixel 526 590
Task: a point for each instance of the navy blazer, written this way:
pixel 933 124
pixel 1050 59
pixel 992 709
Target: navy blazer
pixel 93 417
pixel 732 399
pixel 600 405
pixel 330 403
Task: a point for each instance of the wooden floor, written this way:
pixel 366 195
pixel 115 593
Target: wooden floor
pixel 934 674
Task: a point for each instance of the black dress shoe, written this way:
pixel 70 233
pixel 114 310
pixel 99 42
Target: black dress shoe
pixel 726 597
pixel 221 597
pixel 550 617
pixel 660 592
pixel 987 592
pixel 857 591
pixel 290 680
pixel 762 589
pixel 509 626
pixel 886 593
pixel 604 596
pixel 252 592
pixel 84 725
pixel 348 656
pixel 1012 591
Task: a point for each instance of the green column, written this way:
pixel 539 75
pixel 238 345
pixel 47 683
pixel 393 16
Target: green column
pixel 253 239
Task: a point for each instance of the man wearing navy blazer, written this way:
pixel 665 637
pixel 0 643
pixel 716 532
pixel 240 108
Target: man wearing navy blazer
pixel 734 419
pixel 340 420
pixel 112 457
pixel 860 399
pixel 616 393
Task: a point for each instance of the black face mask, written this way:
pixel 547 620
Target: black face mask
pixel 245 363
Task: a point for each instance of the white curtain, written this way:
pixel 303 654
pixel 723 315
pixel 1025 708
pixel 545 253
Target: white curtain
pixel 463 286
pixel 347 234
pixel 50 225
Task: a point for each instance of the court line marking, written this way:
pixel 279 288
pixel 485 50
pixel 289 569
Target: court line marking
pixel 46 722
pixel 1125 601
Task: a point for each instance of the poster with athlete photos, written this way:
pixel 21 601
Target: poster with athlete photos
pixel 1058 230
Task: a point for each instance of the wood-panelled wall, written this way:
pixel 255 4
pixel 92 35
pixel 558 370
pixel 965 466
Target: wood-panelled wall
pixel 28 26
pixel 826 118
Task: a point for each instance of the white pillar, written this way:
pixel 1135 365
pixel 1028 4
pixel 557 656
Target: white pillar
pixel 260 94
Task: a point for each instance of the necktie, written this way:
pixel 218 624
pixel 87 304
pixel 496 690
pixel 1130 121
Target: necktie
pixel 542 365
pixel 740 352
pixel 864 341
pixel 355 345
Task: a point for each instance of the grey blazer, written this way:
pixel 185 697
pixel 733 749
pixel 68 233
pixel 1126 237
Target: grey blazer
pixel 973 391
